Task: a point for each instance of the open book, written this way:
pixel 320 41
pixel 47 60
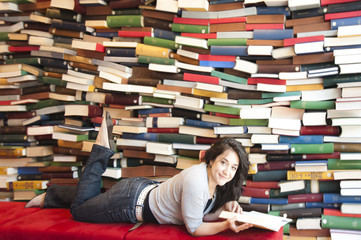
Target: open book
pixel 261 220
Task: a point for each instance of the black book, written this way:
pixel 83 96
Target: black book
pixel 189 114
pixel 61 39
pixel 121 52
pixel 22 177
pixel 73 26
pixel 56 63
pixel 63 14
pixel 302 212
pixel 37 26
pixel 343 7
pixel 284 157
pixel 157 23
pixel 36 89
pixel 313 12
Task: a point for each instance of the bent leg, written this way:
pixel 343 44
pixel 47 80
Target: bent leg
pixel 59 196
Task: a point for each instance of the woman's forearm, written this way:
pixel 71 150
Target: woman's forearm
pixel 210 228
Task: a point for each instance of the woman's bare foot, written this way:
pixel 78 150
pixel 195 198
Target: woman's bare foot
pixel 105 136
pixel 37 201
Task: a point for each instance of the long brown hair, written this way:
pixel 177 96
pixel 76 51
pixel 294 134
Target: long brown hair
pixel 232 190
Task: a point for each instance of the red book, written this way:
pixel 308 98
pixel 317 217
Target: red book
pixel 274 81
pixel 331 16
pixel 279 165
pixel 192 21
pixel 163 130
pixel 206 57
pixel 158 115
pixel 336 212
pixel 123 33
pixel 292 41
pixel 200 35
pixel 307 197
pixel 98 120
pixel 204 140
pixel 23 48
pixel 320 130
pixel 227 20
pixel 224 115
pixel 328 2
pixel 200 78
pixel 270 184
pixel 256 192
pixel 335 155
pixel 253 26
pixel 5 103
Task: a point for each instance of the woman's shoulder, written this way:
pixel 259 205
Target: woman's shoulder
pixel 195 173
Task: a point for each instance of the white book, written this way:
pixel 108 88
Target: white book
pixel 188 54
pixel 80 44
pixel 237 85
pixel 39 130
pixel 12 28
pixel 50 110
pixel 240 12
pixel 288 186
pixel 334 41
pixel 350 156
pixel 197 131
pixel 255 113
pixel 167 6
pixel 348 105
pixel 120 59
pixel 352 208
pixel 39 18
pixel 350 191
pixel 314 119
pixel 57 49
pixel 350 184
pixel 127 88
pixel 160 148
pixel 120 44
pixel 286 112
pixel 293 82
pixel 164 122
pixel 264 138
pixel 81 74
pixel 111 77
pixel 246 66
pixel 246 142
pixel 321 95
pixel 350 68
pixel 259 129
pixel 309 47
pixel 348 84
pixel 308 223
pixel 295 5
pixel 346 121
pixel 347 59
pixel 333 113
pixel 199 15
pixel 326 33
pixel 198 147
pixel 240 34
pixel 131 142
pixel 115 71
pixel 257 158
pixel 111 172
pixel 283 53
pixel 257 219
pixel 347 174
pixel 189 103
pixel 13 108
pixel 230 130
pixel 6 7
pixel 348 31
pixel 163 68
pixel 23 78
pixel 189 41
pixel 292 75
pixel 284 123
pixel 264 75
pixel 111 65
pixel 192 67
pixel 342 139
pixel 342 234
pixel 195 5
pixel 348 51
pixel 75 79
pixel 260 50
pixel 271 87
pixel 209 87
pixel 34 40
pixel 179 83
pixel 37 33
pixel 80 87
pixel 350 131
pixel 275 146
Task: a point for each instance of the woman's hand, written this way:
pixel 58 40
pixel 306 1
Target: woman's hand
pixel 232 206
pixel 237 226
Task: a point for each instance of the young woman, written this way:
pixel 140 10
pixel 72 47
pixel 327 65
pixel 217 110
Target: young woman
pixel 195 197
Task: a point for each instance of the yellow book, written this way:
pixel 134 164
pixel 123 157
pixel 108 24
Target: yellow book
pixel 153 51
pixel 205 93
pixel 68 144
pixel 293 175
pixel 305 87
pixel 12 151
pixel 252 168
pixel 8 170
pixel 3 81
pixel 77 59
pixel 31 184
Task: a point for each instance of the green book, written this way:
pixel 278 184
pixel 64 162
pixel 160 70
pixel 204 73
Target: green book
pixel 43 104
pixel 53 81
pixel 273 175
pixel 323 186
pixel 229 77
pixel 158 60
pixel 285 94
pixel 125 21
pixel 160 42
pixel 62 14
pixel 4 36
pixel 337 164
pixel 321 105
pixel 307 67
pixel 351 223
pixel 301 148
pixel 30 61
pixel 221 109
pixel 176 138
pixel 148 99
pixel 66 164
pixel 332 81
pixel 286 228
pixel 254 101
pixel 190 28
pixel 275 213
pixel 227 42
pixel 15 138
pixel 248 122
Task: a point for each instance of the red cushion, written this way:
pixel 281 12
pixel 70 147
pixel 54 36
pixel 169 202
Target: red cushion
pixel 155 231
pixel 14 210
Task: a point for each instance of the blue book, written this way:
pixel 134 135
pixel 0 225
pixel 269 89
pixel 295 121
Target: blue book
pixel 322 205
pixel 338 198
pixel 335 23
pixel 277 201
pixel 201 124
pixel 229 50
pixel 331 49
pixel 105 34
pixel 28 170
pixel 165 34
pixel 273 11
pixel 311 163
pixel 217 64
pixel 141 136
pixel 2 115
pixel 19 144
pixel 73 26
pixel 153 110
pixel 272 34
pixel 121 52
pixel 51 122
pixel 285 94
pixel 301 139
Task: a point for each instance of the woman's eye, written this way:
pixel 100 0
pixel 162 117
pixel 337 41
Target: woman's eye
pixel 234 168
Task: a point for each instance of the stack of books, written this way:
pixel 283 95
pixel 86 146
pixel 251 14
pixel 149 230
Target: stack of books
pixel 282 77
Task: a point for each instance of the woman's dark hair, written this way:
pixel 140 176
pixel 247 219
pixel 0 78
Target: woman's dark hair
pixel 232 190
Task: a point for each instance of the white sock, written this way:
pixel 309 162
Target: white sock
pixel 37 201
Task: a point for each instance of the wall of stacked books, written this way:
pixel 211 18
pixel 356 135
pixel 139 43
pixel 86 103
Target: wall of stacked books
pixel 282 77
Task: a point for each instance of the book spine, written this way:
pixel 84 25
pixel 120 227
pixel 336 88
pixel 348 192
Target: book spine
pixel 350 223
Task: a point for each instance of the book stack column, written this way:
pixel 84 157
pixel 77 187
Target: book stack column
pixel 282 77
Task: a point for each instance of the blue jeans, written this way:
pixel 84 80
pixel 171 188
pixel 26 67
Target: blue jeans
pixel 88 203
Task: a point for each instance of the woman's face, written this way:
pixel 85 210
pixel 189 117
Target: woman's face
pixel 224 167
